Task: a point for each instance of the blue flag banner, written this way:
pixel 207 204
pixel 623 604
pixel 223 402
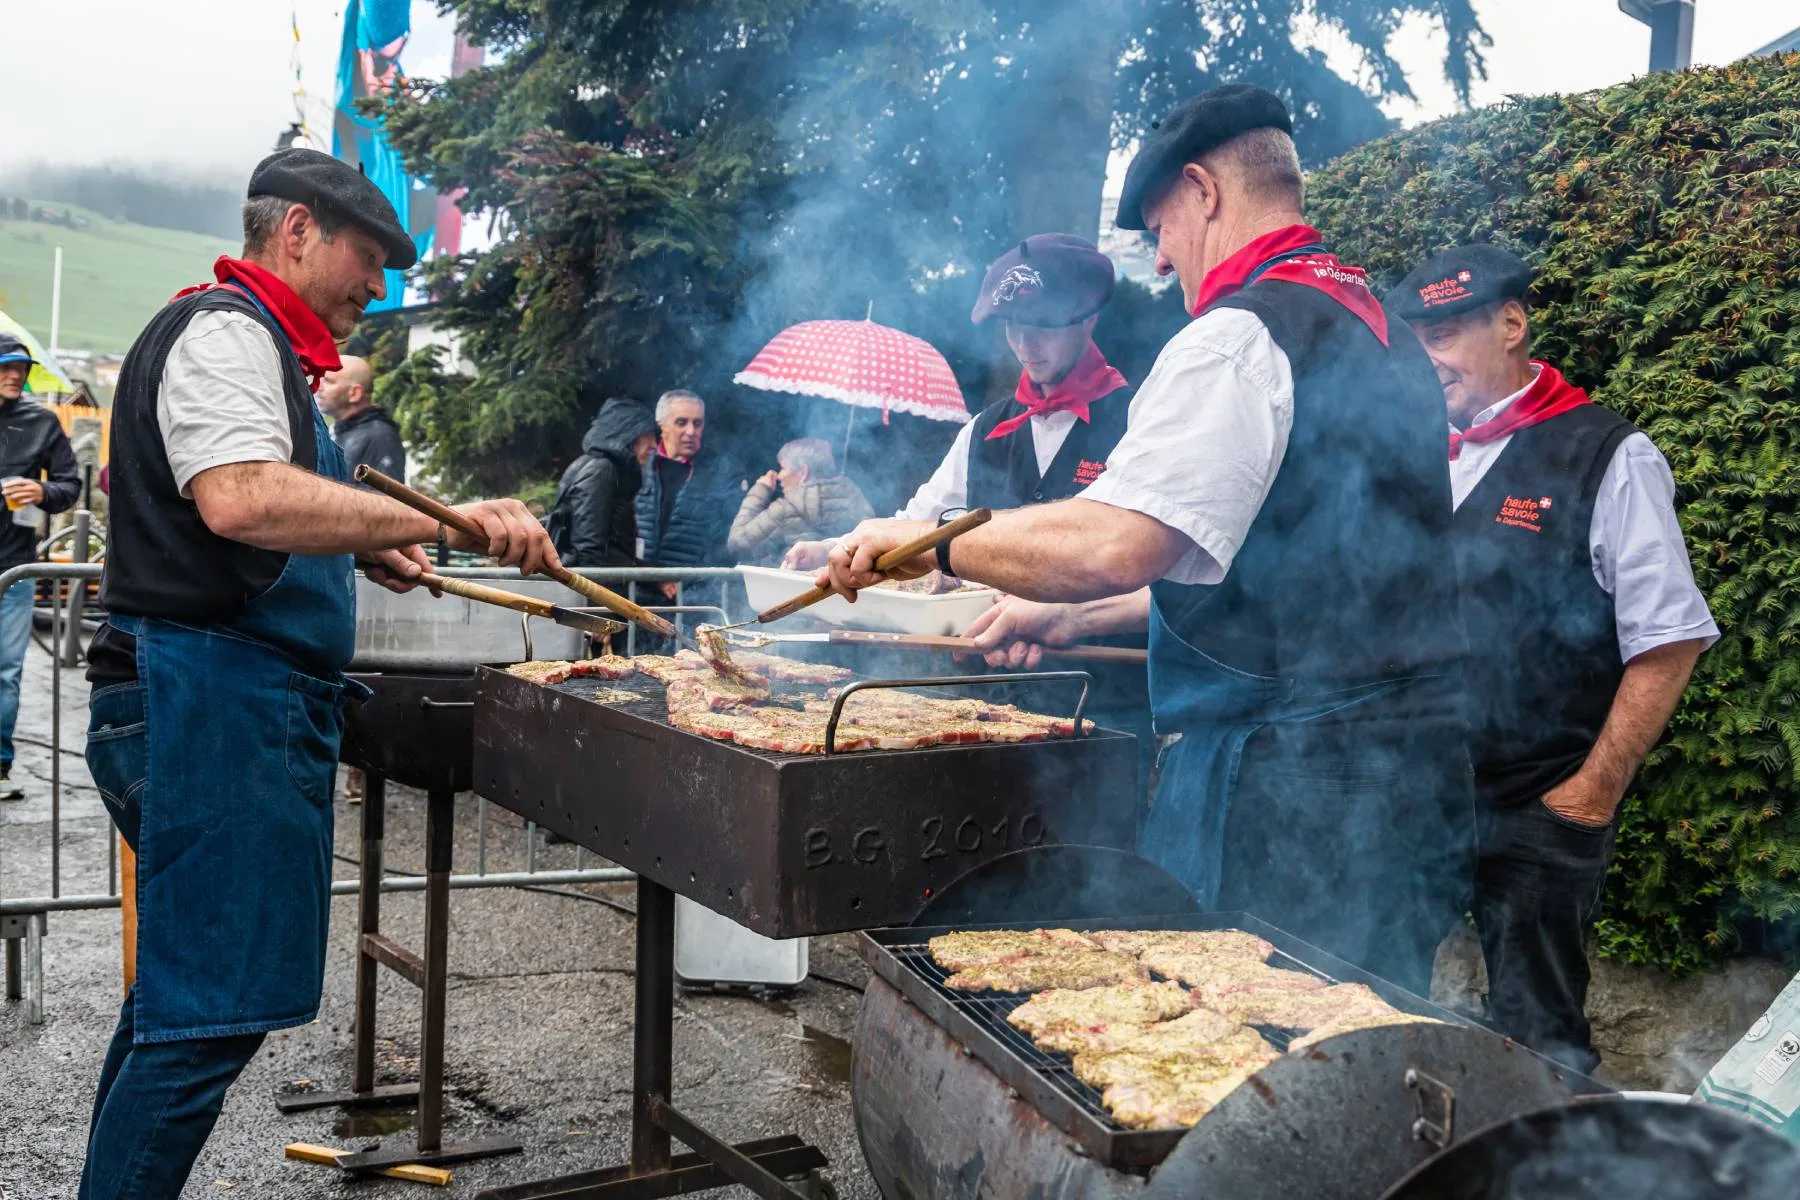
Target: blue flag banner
pixel 375 33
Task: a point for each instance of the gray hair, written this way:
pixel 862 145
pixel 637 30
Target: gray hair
pixel 1264 162
pixel 263 215
pixel 814 454
pixel 669 399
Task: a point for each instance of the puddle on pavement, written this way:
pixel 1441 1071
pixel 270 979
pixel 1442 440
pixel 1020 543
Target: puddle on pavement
pixel 372 1123
pixel 830 1053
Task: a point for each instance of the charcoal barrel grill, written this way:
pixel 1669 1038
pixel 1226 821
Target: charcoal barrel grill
pixel 417 654
pixel 952 1103
pixel 785 845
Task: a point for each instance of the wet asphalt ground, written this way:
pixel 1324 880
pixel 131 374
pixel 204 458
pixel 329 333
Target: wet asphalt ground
pixel 539 1016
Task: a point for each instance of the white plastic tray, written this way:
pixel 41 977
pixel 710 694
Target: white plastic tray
pixel 710 949
pixel 882 609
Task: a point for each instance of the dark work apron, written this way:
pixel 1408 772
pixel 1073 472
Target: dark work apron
pixel 234 831
pixel 1340 813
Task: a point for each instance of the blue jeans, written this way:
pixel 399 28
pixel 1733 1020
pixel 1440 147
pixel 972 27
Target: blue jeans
pixel 15 636
pixel 155 1108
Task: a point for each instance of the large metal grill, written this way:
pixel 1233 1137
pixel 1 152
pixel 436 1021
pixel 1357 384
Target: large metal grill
pixel 788 845
pixel 977 1021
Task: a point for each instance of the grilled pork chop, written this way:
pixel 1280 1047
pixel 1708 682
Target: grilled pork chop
pixel 964 948
pixel 1232 942
pixel 1197 1063
pixel 1079 1020
pixel 1039 970
pixel 1301 1010
pixel 1305 1042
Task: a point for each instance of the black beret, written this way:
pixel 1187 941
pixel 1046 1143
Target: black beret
pixel 1049 279
pixel 1460 280
pixel 1193 127
pixel 312 177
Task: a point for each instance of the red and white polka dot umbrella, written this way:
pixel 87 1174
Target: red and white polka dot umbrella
pixel 861 364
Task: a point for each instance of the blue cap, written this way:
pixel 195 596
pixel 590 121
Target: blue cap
pixel 14 349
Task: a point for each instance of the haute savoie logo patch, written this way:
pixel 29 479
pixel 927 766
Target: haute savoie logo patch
pixel 1524 512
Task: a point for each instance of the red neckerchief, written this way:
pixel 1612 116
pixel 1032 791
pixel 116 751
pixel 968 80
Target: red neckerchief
pixel 306 333
pixel 1091 378
pixel 1550 395
pixel 1346 284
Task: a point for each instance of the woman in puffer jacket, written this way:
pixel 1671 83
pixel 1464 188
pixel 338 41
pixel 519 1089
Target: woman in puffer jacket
pixel 815 501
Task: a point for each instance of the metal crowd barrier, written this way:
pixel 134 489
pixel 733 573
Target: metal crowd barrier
pixel 24 918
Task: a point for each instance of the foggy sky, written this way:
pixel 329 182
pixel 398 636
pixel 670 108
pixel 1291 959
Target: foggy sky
pixel 204 86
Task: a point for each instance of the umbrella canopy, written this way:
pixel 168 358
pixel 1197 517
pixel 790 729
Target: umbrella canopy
pixel 46 374
pixel 861 364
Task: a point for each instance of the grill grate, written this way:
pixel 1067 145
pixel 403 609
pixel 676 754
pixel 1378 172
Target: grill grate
pixel 989 1010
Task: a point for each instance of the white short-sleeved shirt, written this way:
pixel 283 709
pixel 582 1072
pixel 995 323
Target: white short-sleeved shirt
pixel 222 398
pixel 1639 557
pixel 948 486
pixel 1207 433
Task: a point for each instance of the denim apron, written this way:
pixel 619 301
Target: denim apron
pixel 233 818
pixel 1341 813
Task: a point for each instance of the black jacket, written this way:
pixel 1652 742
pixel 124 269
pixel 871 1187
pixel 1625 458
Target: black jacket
pixel 372 438
pixel 33 444
pixel 699 520
pixel 592 521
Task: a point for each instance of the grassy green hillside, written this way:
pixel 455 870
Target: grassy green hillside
pixel 114 276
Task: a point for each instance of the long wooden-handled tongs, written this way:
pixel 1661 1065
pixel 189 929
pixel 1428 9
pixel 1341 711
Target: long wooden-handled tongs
pixel 531 606
pixel 811 596
pixel 604 597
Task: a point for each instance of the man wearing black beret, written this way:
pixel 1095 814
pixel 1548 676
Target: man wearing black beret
pixel 1584 623
pixel 218 679
pixel 1275 514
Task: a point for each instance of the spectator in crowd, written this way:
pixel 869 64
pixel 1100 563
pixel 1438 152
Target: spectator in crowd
pixel 37 466
pixel 816 501
pixel 362 429
pixel 684 510
pixel 593 521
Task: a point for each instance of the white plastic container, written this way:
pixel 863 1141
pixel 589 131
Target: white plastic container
pixel 715 950
pixel 881 609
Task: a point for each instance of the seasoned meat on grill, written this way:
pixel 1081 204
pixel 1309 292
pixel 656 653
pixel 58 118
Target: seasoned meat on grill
pixel 712 691
pixel 1170 1103
pixel 1232 942
pixel 665 668
pixel 1195 1028
pixel 1305 1042
pixel 1215 973
pixel 716 650
pixel 1212 1059
pixel 791 670
pixel 551 672
pixel 1036 971
pixel 1301 1010
pixel 964 948
pixel 1124 1005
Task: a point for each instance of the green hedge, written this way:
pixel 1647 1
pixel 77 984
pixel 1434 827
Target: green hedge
pixel 1663 216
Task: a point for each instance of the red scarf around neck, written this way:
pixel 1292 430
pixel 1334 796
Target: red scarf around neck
pixel 306 333
pixel 1346 284
pixel 1550 395
pixel 1091 378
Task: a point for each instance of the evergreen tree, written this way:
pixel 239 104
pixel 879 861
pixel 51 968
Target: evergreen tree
pixel 674 183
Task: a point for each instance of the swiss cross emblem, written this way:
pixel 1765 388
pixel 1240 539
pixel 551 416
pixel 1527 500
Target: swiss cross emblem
pixel 1464 276
pixel 1544 502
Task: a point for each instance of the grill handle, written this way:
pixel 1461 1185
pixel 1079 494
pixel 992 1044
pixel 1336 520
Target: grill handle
pixel 837 707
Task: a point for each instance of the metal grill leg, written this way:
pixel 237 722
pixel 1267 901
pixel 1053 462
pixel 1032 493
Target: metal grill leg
pixel 653 1050
pixel 34 969
pixel 15 978
pixel 374 833
pixel 440 825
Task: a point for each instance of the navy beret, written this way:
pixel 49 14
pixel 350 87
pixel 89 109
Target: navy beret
pixel 1049 279
pixel 314 178
pixel 1193 127
pixel 1460 280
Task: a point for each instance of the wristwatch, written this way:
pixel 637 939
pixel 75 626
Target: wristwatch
pixel 943 548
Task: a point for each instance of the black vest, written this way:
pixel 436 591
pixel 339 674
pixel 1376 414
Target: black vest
pixel 161 559
pixel 1542 676
pixel 1343 574
pixel 1003 473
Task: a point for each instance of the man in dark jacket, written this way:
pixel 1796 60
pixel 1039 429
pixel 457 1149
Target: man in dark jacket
pixel 37 467
pixel 685 508
pixel 593 522
pixel 362 429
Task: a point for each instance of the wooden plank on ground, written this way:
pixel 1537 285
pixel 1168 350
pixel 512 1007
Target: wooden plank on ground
pixel 306 1152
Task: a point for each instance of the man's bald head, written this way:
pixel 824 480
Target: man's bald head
pixel 347 390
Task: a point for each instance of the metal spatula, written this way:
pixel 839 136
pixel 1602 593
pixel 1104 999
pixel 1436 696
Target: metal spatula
pixel 530 605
